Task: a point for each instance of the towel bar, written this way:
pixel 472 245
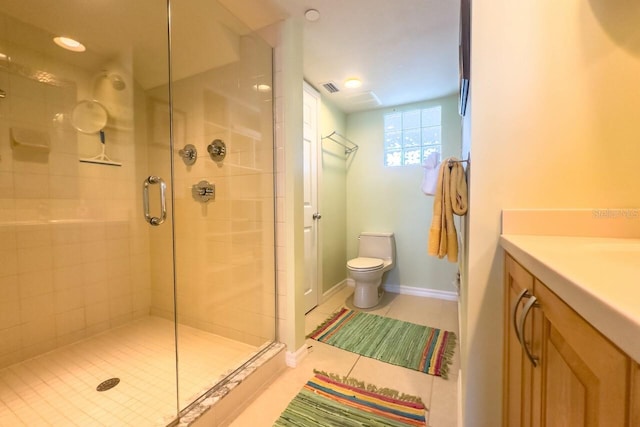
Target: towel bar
pixel 349 146
pixel 456 161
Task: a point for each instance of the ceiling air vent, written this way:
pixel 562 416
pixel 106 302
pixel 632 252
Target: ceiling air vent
pixel 330 87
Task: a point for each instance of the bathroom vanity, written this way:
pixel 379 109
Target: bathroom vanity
pixel 571 331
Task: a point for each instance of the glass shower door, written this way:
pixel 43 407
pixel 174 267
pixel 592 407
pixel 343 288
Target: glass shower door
pixel 86 283
pixel 224 199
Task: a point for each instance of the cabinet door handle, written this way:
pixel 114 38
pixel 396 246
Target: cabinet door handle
pixel 514 311
pixel 523 318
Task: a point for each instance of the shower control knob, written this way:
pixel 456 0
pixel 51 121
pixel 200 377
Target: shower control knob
pixel 203 191
pixel 316 216
pixel 189 154
pixel 217 150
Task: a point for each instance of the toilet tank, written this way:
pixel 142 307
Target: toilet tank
pixel 377 245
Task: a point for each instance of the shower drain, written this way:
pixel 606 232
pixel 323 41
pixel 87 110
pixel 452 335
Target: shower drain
pixel 108 384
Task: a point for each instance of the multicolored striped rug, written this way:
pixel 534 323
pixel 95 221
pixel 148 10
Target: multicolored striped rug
pixel 412 346
pixel 328 401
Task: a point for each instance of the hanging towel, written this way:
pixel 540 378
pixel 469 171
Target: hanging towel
pixel 450 198
pixel 430 178
pixel 459 197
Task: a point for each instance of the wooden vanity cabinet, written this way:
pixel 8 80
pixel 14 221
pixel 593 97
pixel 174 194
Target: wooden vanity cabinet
pixel 635 395
pixel 575 376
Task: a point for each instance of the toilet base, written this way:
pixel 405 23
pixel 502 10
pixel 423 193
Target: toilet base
pixel 367 296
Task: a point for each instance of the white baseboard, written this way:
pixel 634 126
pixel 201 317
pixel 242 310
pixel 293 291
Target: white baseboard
pixel 334 290
pixel 293 359
pixel 422 292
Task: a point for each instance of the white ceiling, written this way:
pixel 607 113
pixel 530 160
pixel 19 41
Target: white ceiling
pixel 404 51
pixel 122 29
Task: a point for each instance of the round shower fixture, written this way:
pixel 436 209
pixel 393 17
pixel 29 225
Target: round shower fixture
pixel 116 81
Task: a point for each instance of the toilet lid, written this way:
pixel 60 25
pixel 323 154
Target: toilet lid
pixel 365 263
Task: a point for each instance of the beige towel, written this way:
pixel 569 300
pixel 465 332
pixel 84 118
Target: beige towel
pixel 450 198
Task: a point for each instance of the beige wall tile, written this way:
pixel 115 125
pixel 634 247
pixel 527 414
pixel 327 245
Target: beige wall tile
pixel 35 283
pixel 10 339
pixel 70 321
pixel 93 272
pixel 6 185
pixel 96 292
pixel 68 277
pixel 63 187
pixel 9 314
pixel 67 255
pixel 66 234
pixel 30 185
pixel 94 251
pixel 35 259
pixel 67 300
pixel 37 332
pixel 33 236
pixel 97 313
pixel 9 290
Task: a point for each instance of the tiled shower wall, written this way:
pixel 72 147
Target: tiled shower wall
pixel 73 252
pixel 76 257
pixel 225 247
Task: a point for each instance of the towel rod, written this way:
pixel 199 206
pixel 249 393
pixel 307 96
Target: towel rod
pixel 456 161
pixel 349 146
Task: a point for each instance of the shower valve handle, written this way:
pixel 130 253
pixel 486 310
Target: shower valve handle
pixel 203 191
pixel 189 154
pixel 217 150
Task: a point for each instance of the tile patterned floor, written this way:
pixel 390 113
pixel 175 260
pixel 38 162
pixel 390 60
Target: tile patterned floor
pixel 59 388
pixel 439 395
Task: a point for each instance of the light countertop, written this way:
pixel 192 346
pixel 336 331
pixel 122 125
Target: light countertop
pixel 598 277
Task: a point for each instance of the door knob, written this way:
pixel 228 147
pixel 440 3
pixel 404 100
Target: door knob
pixel 316 216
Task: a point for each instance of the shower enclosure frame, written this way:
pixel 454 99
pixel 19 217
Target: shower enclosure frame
pixel 254 207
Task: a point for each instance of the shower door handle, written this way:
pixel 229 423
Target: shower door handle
pixel 154 220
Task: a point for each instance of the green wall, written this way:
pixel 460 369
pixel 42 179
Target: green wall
pixel 390 199
pixel 333 198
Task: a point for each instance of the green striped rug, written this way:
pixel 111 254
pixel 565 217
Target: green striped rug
pixel 328 401
pixel 412 346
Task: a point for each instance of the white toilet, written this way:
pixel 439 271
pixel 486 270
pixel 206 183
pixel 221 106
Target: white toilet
pixel 376 254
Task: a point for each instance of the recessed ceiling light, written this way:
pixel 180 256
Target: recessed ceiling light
pixel 352 83
pixel 312 15
pixel 69 44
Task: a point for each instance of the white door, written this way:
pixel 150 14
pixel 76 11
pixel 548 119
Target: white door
pixel 311 101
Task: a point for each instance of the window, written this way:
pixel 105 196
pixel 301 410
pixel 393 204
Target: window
pixel 410 136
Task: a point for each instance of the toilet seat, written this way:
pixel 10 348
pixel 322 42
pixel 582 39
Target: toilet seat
pixel 365 264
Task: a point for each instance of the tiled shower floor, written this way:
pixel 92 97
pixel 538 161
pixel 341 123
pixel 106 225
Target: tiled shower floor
pixel 59 388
